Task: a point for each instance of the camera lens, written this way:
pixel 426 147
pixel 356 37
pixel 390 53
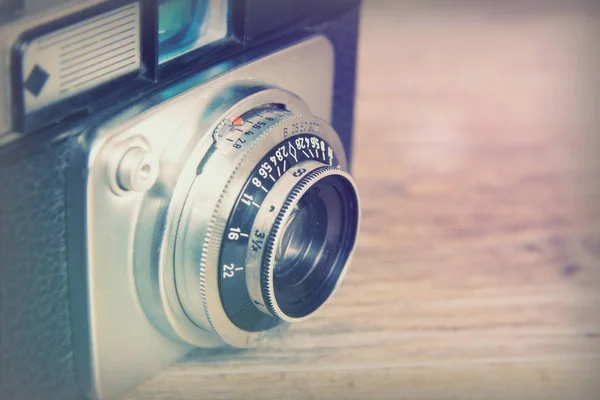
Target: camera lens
pixel 277 217
pixel 313 247
pixel 298 236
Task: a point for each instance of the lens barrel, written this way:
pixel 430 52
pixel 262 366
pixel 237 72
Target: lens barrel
pixel 300 215
pixel 276 217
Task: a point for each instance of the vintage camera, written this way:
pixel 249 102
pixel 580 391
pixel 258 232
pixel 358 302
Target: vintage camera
pixel 174 174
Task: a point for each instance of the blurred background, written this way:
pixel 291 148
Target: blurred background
pixel 477 273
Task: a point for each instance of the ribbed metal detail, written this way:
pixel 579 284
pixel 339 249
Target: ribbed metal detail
pixel 99 50
pixel 216 225
pixel 82 56
pixel 267 270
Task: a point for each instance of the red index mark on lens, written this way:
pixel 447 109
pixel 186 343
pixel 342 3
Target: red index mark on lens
pixel 238 121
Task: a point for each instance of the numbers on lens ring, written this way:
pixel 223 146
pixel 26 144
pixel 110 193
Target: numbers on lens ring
pixel 265 171
pixel 299 127
pixel 259 125
pixel 258 240
pixel 238 143
pixel 248 200
pixel 235 234
pixel 258 183
pixel 299 172
pixel 229 270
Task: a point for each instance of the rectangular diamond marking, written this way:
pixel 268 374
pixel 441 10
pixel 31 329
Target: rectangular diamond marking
pixel 81 56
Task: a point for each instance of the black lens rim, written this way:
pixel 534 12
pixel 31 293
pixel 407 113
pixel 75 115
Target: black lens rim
pixel 248 313
pixel 307 226
pixel 300 305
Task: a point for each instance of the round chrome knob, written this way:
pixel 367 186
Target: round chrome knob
pixel 137 170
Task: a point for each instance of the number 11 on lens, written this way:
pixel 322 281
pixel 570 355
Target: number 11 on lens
pixel 249 200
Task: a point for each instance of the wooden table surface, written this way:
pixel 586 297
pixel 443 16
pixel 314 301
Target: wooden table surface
pixel 477 272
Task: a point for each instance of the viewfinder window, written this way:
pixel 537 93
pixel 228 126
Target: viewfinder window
pixel 186 25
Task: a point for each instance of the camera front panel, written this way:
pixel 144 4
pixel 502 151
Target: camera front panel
pixel 168 248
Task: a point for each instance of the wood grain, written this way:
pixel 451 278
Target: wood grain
pixel 478 265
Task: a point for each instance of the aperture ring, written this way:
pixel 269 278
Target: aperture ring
pixel 224 295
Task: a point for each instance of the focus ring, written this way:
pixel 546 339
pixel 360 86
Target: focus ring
pixel 256 138
pixel 216 227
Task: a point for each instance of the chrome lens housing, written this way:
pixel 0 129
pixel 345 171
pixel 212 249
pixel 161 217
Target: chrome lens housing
pixel 238 224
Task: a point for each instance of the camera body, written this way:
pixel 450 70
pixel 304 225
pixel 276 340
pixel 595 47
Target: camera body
pixel 146 194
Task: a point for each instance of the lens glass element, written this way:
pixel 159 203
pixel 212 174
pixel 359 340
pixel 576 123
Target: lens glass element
pixel 185 25
pixel 297 238
pixel 316 242
pixel 175 20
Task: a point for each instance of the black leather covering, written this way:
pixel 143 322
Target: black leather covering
pixel 36 357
